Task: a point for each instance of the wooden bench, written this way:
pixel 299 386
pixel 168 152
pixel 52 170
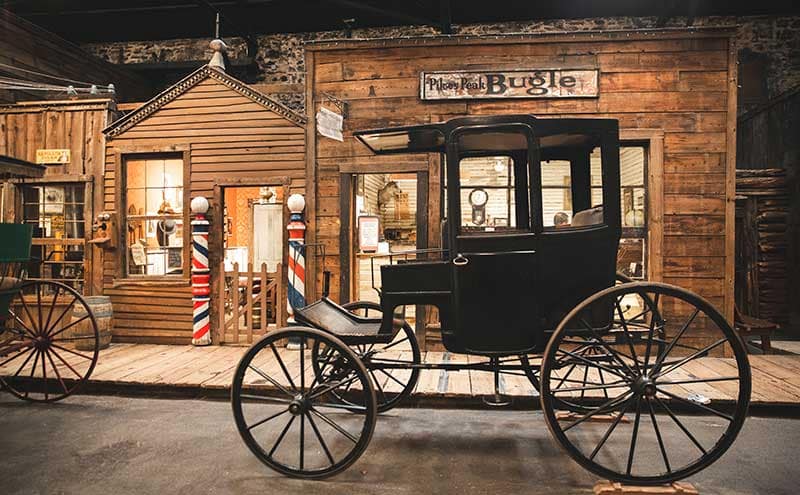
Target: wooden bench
pixel 748 327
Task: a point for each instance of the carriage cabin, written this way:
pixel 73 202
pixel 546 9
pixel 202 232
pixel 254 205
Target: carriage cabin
pixel 208 135
pixel 672 92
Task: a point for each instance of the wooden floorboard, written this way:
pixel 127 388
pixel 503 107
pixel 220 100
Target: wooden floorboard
pixel 776 378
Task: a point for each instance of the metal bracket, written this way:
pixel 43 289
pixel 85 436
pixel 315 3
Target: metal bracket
pixel 341 105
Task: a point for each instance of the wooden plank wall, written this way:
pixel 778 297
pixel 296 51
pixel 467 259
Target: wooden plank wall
pixel 27 46
pixel 74 125
pixel 675 82
pixel 228 136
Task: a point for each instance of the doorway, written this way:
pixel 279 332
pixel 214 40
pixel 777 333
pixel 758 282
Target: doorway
pixel 389 215
pixel 250 282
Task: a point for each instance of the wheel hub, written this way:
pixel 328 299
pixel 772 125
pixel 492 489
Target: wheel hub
pixel 644 386
pixel 298 406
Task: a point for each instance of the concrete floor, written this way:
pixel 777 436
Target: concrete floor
pixel 114 445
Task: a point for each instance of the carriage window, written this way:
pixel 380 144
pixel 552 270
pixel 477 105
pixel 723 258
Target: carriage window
pixel 488 195
pixel 572 188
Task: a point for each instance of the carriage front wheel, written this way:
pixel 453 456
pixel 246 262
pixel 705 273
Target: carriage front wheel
pixel 49 341
pixel 656 407
pixel 288 415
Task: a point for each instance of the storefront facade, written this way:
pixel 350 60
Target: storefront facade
pixel 673 92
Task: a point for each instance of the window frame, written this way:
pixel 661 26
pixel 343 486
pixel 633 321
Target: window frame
pixel 122 275
pixel 84 181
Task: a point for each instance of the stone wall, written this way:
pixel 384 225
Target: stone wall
pixel 280 57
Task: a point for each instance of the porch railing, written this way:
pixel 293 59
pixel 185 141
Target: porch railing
pixel 250 303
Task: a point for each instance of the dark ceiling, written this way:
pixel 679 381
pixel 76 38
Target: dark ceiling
pixel 121 20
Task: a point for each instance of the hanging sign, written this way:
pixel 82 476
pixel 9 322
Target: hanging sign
pixel 369 230
pixel 518 83
pixel 52 156
pixel 330 124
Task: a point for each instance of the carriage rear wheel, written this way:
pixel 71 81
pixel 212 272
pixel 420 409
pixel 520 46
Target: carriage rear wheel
pixel 286 414
pixel 389 365
pixel 49 341
pixel 655 409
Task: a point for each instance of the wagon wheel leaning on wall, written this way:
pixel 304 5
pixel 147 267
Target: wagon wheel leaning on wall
pixel 392 384
pixel 49 341
pixel 668 411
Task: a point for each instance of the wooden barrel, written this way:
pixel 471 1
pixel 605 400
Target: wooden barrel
pixel 103 315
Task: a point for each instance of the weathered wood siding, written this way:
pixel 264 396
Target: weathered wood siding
pixel 225 136
pixel 74 125
pixel 679 83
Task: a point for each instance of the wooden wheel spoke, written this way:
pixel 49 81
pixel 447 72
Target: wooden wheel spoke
pixel 405 339
pixel 593 363
pixel 334 425
pixel 391 377
pixel 605 386
pixel 280 437
pixel 50 310
pixel 611 429
pixel 702 407
pixel 691 357
pixel 58 374
pixel 266 398
pixel 302 436
pixel 325 388
pixel 346 407
pixel 283 367
pixel 660 361
pixel 634 435
pixel 44 375
pixel 605 347
pixel 649 345
pixel 70 325
pixel 84 356
pixel 319 437
pixel 628 336
pixel 267 419
pixel 22 323
pixel 270 380
pixel 28 312
pixel 66 363
pixel 62 315
pixel 605 407
pixel 681 425
pixel 658 434
pixel 22 366
pixel 321 373
pixel 378 385
pixel 17 355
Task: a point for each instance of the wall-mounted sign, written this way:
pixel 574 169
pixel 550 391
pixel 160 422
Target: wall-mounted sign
pixel 330 124
pixel 52 156
pixel 520 83
pixel 369 230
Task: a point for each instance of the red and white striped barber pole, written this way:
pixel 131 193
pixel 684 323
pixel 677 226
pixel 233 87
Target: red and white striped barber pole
pixel 201 292
pixel 297 255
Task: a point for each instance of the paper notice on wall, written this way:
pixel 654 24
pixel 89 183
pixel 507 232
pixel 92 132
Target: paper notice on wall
pixel 330 124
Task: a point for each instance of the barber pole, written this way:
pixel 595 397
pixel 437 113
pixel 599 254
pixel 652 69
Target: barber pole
pixel 297 254
pixel 201 292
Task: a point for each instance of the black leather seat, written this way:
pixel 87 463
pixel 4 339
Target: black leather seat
pixel 350 328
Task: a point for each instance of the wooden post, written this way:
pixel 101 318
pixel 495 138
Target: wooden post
pixel 201 276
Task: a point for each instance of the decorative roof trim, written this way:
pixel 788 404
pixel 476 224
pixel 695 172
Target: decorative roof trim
pixel 189 82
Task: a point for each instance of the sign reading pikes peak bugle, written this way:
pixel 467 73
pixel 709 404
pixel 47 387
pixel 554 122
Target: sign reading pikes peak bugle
pixel 518 83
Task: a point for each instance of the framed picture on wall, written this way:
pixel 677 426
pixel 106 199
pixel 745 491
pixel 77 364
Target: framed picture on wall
pixel 369 228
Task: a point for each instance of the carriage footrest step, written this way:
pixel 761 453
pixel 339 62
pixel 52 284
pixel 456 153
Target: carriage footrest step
pixel 604 487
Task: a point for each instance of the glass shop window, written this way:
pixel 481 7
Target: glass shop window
pixel 632 256
pixel 57 213
pixel 154 216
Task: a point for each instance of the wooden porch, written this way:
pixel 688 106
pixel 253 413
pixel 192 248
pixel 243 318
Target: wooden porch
pixel 208 371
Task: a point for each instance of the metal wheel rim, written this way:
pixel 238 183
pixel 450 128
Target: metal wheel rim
pixel 714 452
pixel 51 356
pixel 300 471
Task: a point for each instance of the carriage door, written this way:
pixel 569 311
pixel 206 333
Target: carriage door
pixel 493 260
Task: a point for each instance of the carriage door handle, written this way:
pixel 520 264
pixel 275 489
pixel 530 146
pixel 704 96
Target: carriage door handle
pixel 460 260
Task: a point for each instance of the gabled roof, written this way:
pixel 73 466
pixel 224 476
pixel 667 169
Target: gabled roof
pixel 189 82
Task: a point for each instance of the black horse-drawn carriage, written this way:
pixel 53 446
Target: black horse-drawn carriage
pixel 523 296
